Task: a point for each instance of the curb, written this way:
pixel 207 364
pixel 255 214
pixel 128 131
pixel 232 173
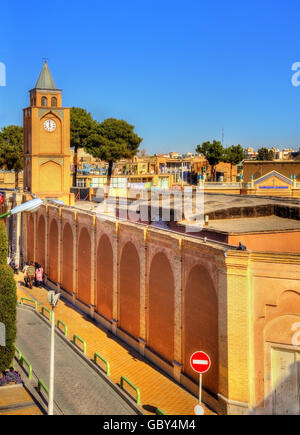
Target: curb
pixel 31 387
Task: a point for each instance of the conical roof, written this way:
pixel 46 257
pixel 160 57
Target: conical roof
pixel 45 80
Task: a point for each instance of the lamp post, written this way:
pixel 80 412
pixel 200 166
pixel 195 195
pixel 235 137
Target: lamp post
pixel 30 206
pixel 53 300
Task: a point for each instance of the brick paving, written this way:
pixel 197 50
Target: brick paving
pixel 16 400
pixel 157 389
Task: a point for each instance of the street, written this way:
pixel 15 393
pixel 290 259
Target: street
pixel 78 389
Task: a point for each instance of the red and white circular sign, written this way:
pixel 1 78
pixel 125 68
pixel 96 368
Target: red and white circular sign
pixel 200 362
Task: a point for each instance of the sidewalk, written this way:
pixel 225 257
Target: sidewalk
pixel 157 390
pixel 15 400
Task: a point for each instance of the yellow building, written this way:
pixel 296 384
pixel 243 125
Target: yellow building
pixel 8 180
pixel 47 141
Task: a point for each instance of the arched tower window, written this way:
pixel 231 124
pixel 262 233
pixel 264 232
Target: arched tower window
pixel 44 101
pixel 54 102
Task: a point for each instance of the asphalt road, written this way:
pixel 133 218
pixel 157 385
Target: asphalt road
pixel 78 389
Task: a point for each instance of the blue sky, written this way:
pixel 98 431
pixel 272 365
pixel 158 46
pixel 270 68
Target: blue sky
pixel 180 71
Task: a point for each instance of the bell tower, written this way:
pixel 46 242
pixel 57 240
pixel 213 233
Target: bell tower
pixel 47 156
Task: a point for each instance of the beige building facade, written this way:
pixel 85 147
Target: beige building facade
pixel 168 295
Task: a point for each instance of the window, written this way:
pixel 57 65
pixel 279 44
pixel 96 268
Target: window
pixel 81 182
pixel 44 101
pixel 54 102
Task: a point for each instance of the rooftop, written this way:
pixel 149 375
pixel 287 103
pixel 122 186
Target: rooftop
pixel 254 225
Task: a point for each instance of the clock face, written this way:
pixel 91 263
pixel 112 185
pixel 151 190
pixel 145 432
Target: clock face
pixel 49 125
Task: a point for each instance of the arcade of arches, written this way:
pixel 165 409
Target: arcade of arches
pixel 168 296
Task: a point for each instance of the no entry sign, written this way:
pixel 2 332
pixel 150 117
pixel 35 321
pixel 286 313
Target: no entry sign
pixel 200 362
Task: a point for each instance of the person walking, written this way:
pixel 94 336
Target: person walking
pixel 36 266
pixel 26 277
pixel 39 276
pixel 31 274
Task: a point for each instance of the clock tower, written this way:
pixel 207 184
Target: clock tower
pixel 47 142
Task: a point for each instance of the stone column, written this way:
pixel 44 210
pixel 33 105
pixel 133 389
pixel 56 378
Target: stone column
pixel 15 229
pixel 35 235
pixel 93 264
pixel 115 316
pixel 59 260
pixel 19 236
pixel 24 237
pixel 74 293
pixel 143 284
pixel 177 363
pixel 234 337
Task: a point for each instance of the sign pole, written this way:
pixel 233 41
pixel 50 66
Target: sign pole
pixel 200 388
pixel 200 363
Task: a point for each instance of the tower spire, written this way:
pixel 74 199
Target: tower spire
pixel 45 80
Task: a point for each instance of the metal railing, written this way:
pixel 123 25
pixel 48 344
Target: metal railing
pixel 138 393
pixel 97 355
pixel 76 337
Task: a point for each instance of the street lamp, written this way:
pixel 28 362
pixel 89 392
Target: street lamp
pixel 53 300
pixel 29 206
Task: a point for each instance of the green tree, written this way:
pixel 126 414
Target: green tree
pixel 82 124
pixel 11 150
pixel 234 155
pixel 8 304
pixel 214 154
pixel 265 154
pixel 113 140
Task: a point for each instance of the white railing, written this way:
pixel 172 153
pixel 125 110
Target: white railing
pixel 221 185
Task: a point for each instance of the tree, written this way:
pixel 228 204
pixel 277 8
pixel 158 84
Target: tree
pixel 265 154
pixel 82 124
pixel 234 155
pixel 11 150
pixel 213 152
pixel 113 140
pixel 8 304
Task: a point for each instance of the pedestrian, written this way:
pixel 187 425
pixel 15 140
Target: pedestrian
pixel 31 273
pixel 39 276
pixel 36 266
pixel 26 277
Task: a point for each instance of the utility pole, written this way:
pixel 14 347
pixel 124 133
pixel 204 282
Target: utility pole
pixel 53 300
